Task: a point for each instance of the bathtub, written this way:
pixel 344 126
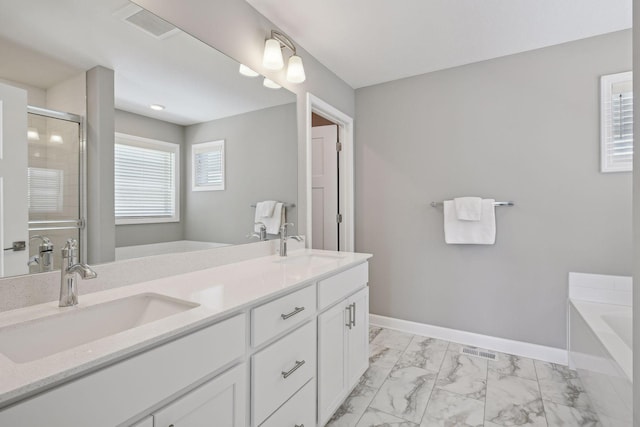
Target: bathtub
pixel 600 347
pixel 137 251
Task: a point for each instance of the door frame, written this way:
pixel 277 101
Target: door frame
pixel 346 182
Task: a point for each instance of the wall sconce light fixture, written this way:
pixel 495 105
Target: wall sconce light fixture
pixel 273 59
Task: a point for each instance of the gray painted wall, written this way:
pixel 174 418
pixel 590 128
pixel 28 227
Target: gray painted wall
pixel 141 234
pixel 522 128
pixel 260 164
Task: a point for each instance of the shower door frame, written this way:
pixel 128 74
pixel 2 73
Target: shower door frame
pixel 80 222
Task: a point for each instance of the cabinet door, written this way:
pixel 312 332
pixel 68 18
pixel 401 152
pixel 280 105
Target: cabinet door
pixel 358 347
pixel 221 402
pixel 332 351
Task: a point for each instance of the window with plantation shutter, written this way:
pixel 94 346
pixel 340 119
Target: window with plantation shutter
pixel 45 190
pixel 207 166
pixel 616 122
pixel 146 180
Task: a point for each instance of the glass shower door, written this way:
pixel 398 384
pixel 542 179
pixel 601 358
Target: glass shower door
pixel 54 176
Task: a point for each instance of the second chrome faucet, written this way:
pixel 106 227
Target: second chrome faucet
pixel 284 237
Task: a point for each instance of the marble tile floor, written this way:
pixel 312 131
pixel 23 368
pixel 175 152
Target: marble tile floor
pixel 416 381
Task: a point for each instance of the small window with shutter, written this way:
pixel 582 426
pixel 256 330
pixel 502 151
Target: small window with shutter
pixel 147 180
pixel 616 122
pixel 208 166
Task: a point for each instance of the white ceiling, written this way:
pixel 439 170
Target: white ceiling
pixel 366 42
pixel 46 42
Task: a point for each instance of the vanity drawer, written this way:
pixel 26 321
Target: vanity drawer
pixel 300 410
pixel 335 288
pixel 275 317
pixel 294 356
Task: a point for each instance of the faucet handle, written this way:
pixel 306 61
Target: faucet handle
pixel 261 224
pixel 70 249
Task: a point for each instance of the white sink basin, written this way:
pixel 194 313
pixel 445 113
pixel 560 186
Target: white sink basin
pixel 308 259
pixel 43 337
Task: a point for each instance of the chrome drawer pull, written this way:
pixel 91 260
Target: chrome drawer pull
pixel 353 322
pixel 292 370
pixel 293 313
pixel 348 308
pixel 299 425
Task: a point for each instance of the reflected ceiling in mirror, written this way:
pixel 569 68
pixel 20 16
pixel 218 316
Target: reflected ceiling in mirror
pixel 47 47
pixel 44 43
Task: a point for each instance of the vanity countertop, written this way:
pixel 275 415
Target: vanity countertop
pixel 219 291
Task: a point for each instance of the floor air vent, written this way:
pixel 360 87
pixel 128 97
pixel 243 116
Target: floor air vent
pixel 476 352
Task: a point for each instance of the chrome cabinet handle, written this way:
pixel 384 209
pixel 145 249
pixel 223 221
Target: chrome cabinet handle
pixel 293 313
pixel 353 322
pixel 348 308
pixel 292 370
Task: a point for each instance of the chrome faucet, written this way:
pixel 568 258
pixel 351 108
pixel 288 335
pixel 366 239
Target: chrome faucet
pixel 284 237
pixel 71 266
pixel 45 254
pixel 261 235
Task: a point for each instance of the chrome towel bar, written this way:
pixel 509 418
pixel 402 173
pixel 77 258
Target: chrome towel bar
pixel 435 204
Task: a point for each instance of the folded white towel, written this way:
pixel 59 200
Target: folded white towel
pixel 481 232
pixel 265 209
pixel 468 208
pixel 273 222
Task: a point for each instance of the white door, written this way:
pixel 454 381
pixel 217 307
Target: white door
pixel 14 212
pixel 332 350
pixel 358 356
pixel 221 402
pixel 324 187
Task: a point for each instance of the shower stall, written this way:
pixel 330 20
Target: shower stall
pixel 56 185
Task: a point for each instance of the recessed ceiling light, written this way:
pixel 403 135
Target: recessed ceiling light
pixel 156 107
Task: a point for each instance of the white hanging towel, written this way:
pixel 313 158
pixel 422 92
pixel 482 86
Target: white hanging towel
pixel 272 222
pixel 468 208
pixel 265 209
pixel 481 232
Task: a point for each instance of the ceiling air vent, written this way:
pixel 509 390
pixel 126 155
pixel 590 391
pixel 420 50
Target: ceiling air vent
pixel 147 21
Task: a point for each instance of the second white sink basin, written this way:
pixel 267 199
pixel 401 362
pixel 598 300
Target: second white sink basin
pixel 304 259
pixel 43 337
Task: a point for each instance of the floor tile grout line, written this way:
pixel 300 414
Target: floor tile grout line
pixel 435 382
pixel 544 408
pixel 486 397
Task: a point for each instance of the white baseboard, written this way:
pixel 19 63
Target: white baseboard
pixel 518 348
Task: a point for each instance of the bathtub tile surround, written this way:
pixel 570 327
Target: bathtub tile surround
pixel 467 391
pixel 601 288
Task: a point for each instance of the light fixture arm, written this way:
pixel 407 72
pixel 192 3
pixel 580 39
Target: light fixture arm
pixel 283 40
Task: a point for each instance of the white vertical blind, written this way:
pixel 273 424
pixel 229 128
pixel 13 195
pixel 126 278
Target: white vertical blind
pixel 45 190
pixel 617 122
pixel 146 185
pixel 208 166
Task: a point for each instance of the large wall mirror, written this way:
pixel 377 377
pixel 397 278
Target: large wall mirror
pixel 196 144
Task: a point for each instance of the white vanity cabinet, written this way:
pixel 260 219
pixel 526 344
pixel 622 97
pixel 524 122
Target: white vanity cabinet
pixel 343 339
pixel 289 360
pixel 221 402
